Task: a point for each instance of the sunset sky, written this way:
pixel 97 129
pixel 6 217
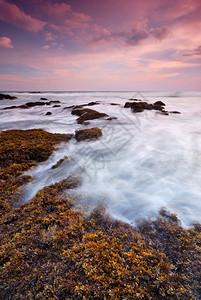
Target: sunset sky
pixel 100 45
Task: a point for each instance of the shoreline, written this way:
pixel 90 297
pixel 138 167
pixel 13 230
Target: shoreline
pixel 51 250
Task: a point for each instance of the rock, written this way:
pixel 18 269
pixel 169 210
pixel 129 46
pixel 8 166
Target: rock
pixel 37 103
pixel 165 113
pixel 93 103
pixel 87 114
pixel 88 134
pixel 127 104
pixel 56 105
pixel 111 118
pixel 43 98
pixel 114 104
pixel 7 97
pixel 175 112
pixel 35 92
pixel 10 107
pixel 159 103
pixel 140 106
pixel 48 113
pixel 54 101
pixel 59 162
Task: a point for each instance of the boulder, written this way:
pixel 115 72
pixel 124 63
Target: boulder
pixel 43 99
pixel 7 97
pixel 87 114
pixel 88 134
pixel 48 113
pixel 159 103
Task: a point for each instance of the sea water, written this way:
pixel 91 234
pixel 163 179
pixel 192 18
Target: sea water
pixel 143 162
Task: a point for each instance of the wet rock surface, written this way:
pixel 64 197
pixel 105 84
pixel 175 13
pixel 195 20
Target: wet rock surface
pixel 138 107
pixel 7 97
pixel 51 250
pixel 87 114
pixel 32 104
pixel 88 134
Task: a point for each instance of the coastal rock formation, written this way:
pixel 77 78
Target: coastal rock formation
pixel 87 114
pixel 141 106
pixel 88 134
pixel 7 97
pixel 32 104
pixel 52 250
pixel 48 113
pixel 82 105
pixel 59 162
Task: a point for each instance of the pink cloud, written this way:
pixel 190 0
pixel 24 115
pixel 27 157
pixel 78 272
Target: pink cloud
pixel 12 14
pixel 6 42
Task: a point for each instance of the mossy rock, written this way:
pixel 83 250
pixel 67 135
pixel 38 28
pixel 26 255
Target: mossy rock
pixel 88 134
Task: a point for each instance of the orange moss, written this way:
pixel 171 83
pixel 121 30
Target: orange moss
pixel 49 250
pixel 20 150
pixel 88 134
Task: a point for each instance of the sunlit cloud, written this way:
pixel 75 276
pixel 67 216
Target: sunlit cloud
pixel 10 13
pixel 5 42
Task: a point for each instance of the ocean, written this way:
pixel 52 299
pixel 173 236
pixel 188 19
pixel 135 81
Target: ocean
pixel 143 162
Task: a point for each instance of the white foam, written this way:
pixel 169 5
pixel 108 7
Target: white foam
pixel 141 163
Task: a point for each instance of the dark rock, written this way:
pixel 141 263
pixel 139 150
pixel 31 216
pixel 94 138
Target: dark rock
pixel 127 104
pixel 133 99
pixel 88 114
pixel 43 98
pixel 37 103
pixel 56 105
pixel 159 103
pixel 23 106
pixel 10 107
pixel 7 97
pixel 158 107
pixel 93 103
pixel 35 92
pixel 59 162
pixel 165 113
pixel 114 104
pixel 48 113
pixel 111 118
pixel 139 107
pixel 54 101
pixel 88 134
pixel 175 112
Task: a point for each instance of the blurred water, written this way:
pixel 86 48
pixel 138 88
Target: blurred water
pixel 141 163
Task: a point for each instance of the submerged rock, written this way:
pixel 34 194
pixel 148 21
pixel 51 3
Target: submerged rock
pixel 88 134
pixel 59 162
pixel 175 112
pixel 43 98
pixel 48 113
pixel 7 97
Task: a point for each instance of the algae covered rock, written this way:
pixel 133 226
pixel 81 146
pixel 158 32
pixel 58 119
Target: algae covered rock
pixel 87 114
pixel 88 134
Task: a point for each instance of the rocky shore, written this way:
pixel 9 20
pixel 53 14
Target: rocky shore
pixel 50 250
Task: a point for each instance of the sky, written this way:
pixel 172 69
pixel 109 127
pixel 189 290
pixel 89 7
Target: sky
pixel 107 45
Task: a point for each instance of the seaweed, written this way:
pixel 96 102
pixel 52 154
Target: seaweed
pixel 51 250
pixel 88 134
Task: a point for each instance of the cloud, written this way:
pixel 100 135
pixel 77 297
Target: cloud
pixel 46 47
pixel 140 32
pixel 196 51
pixel 6 42
pixel 10 13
